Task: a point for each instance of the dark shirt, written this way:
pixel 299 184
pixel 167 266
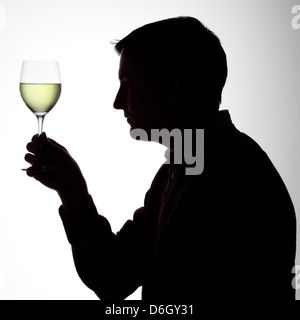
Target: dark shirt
pixel 228 233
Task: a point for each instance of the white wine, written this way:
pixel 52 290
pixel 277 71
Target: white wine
pixel 40 98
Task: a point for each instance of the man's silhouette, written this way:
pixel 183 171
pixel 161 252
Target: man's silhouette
pixel 227 233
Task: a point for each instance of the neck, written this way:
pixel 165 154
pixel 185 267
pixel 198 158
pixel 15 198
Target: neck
pixel 198 120
pixel 211 124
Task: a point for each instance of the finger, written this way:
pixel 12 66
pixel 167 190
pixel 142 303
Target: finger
pixel 32 147
pixel 38 144
pixel 35 138
pixel 35 171
pixel 38 160
pixel 44 175
pixel 30 158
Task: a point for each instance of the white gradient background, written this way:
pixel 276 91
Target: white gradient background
pixel 262 94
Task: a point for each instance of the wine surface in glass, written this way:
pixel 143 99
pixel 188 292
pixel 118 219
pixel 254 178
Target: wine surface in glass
pixel 40 98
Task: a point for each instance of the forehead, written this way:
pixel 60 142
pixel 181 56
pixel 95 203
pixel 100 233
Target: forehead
pixel 128 68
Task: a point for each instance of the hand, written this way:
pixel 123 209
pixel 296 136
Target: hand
pixel 53 166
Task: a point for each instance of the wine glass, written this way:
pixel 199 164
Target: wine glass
pixel 40 87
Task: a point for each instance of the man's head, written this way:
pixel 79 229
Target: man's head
pixel 171 72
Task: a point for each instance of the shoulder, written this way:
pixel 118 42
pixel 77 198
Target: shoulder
pixel 236 151
pixel 236 166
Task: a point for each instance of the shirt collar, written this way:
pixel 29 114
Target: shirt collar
pixel 216 124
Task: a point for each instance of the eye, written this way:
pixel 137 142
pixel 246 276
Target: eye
pixel 127 84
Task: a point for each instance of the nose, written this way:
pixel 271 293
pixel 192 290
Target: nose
pixel 119 102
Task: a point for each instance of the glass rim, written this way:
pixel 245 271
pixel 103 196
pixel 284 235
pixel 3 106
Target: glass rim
pixel 40 71
pixel 33 61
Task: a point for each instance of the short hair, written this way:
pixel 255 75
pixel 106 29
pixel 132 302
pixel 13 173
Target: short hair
pixel 182 47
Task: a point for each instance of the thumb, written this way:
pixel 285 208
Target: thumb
pixel 43 139
pixel 50 144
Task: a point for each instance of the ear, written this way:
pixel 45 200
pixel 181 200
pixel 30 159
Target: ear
pixel 173 90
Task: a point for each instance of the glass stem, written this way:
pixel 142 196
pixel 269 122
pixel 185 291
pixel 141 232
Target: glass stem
pixel 40 119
